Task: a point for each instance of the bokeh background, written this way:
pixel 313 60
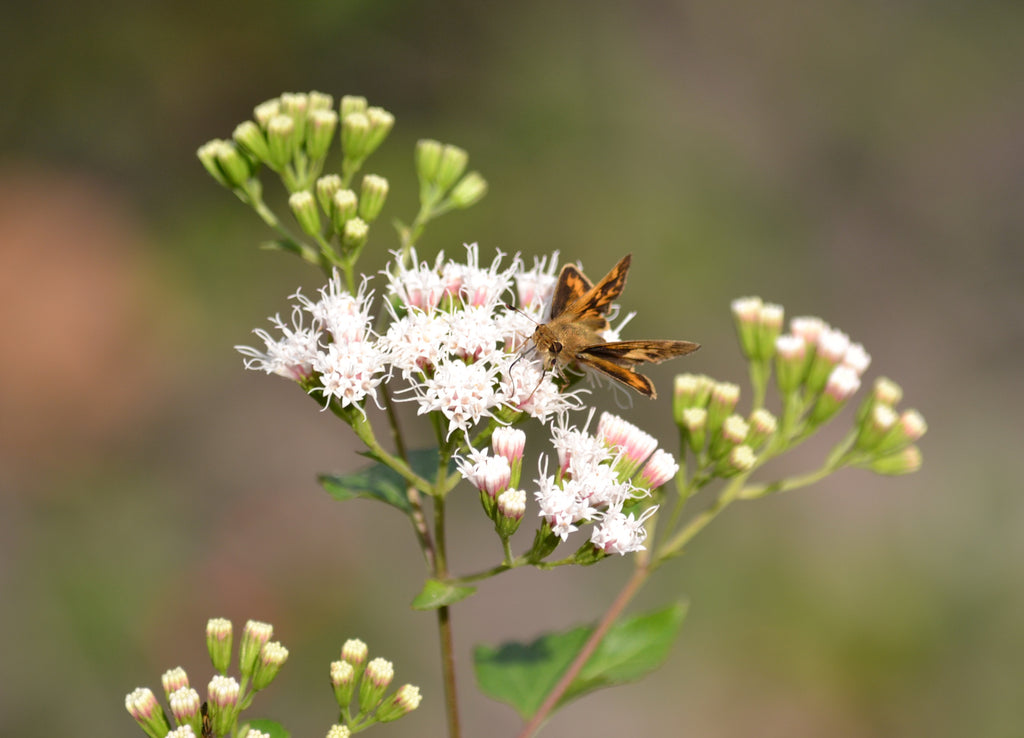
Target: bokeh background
pixel 862 161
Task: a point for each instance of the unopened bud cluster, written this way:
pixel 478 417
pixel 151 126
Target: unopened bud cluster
pixel 886 436
pixel 719 437
pixel 443 185
pixel 356 678
pixel 260 659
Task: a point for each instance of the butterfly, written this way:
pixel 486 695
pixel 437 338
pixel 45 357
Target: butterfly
pixel 572 336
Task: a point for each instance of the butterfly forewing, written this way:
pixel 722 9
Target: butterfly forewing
pixel 571 286
pixel 635 352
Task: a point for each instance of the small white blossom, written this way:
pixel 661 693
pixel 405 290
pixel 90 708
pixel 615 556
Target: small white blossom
pixel 473 333
pixel 344 315
pixel 531 389
pixel 350 372
pixel 481 287
pixel 536 286
pixel 420 286
pixel 416 341
pixel 291 356
pixel 619 533
pixel 462 392
pixel 857 358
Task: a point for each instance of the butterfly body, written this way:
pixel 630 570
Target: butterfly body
pixel 572 336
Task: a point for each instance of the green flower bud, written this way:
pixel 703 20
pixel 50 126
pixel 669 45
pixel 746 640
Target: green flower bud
pixel 876 426
pixel 320 101
pixel 381 123
pixel 790 362
pixel 355 652
pixel 304 208
pixel 428 160
pixel 724 397
pixel 326 187
pixel 296 106
pixel 355 136
pixel 223 693
pixel 255 635
pixel 884 392
pixel 355 234
pixel 907 430
pixel 762 427
pixel 173 680
pixel 404 701
pixel 687 392
pixel 320 125
pixel 344 206
pixel 905 461
pixel 351 104
pixel 281 141
pixel 250 137
pixel 694 425
pixel 746 312
pixel 372 196
pixel 343 681
pixel 265 111
pixel 143 707
pixel 272 658
pixel 511 508
pixel 452 165
pixel 207 154
pixel 185 708
pixel 841 384
pixel 375 682
pixel 733 432
pixel 469 190
pixel 740 460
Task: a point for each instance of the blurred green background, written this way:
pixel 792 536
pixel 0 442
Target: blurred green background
pixel 860 161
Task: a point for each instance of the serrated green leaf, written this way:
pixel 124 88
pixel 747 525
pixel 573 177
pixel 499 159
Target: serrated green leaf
pixel 380 482
pixel 522 675
pixel 271 727
pixel 436 593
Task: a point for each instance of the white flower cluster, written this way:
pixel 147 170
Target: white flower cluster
pixel 446 333
pixel 595 481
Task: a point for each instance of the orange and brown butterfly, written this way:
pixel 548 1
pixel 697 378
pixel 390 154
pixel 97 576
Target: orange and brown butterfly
pixel 572 335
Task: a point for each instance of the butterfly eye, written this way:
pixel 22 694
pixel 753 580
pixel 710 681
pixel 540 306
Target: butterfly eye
pixel 556 347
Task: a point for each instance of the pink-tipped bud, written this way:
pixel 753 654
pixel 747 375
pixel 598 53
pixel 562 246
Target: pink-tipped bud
pixel 658 470
pixel 222 700
pixel 762 427
pixel 378 676
pixel 509 442
pixel 724 397
pixel 857 358
pixel 907 430
pixel 747 314
pixel 355 652
pixel 511 508
pixel 185 704
pixel 633 444
pixel 732 433
pixel 768 329
pixel 690 390
pixel 343 680
pixel 254 636
pixel 142 705
pixel 218 643
pixel 272 658
pixel 695 420
pixel 404 701
pixel 173 680
pixel 790 362
pixel 739 460
pixel 842 383
pixel 808 328
pixel 905 461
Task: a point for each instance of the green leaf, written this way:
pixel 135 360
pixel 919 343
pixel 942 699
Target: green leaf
pixel 271 727
pixel 522 675
pixel 380 482
pixel 436 593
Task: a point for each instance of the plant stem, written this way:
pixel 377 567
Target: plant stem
pixel 608 619
pixel 444 622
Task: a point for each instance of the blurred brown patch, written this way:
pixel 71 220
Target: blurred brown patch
pixel 78 345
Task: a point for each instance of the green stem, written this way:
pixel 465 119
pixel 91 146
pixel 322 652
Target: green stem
pixel 627 593
pixel 364 431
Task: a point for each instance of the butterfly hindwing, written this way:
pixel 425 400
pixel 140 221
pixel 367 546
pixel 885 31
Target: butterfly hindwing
pixel 621 374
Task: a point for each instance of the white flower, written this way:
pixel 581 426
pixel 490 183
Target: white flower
pixel 350 372
pixel 472 333
pixel 482 287
pixel 462 392
pixel 420 286
pixel 857 358
pixel 416 341
pixel 536 286
pixel 344 315
pixel 292 356
pixel 559 506
pixel 576 448
pixel 620 533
